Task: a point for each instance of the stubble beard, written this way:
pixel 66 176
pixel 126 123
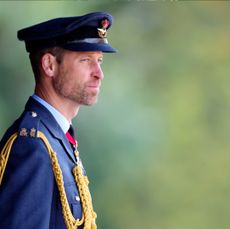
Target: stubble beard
pixel 76 93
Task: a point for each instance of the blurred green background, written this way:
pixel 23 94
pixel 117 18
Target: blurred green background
pixel 156 146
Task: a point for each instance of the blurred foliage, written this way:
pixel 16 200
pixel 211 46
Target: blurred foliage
pixel 156 145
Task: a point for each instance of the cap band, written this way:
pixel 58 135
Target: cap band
pixel 90 40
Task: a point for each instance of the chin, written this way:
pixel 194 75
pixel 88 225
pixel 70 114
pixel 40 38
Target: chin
pixel 90 103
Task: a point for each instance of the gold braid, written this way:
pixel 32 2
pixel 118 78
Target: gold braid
pixel 89 216
pixel 82 181
pixel 5 153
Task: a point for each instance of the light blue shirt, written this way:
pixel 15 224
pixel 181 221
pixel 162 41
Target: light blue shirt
pixel 60 118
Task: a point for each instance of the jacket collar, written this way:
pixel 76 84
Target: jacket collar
pixel 50 123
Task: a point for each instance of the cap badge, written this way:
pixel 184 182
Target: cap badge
pixel 102 32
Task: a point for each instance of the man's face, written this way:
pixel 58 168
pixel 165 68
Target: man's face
pixel 79 77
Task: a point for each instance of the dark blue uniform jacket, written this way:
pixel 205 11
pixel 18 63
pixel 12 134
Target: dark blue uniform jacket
pixel 29 198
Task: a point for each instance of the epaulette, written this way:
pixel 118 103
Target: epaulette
pixel 29 125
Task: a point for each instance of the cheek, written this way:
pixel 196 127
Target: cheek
pixel 67 77
pixel 63 81
pixel 73 77
pixel 79 76
pixel 73 83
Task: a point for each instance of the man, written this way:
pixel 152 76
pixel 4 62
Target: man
pixel 42 181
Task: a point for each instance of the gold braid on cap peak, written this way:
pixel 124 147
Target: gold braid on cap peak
pixel 89 216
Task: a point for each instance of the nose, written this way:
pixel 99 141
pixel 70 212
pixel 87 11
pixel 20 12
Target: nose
pixel 97 71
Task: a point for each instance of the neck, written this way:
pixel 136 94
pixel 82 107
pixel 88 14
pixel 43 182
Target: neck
pixel 66 107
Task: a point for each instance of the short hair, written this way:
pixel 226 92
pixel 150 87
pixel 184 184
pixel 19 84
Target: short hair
pixel 35 59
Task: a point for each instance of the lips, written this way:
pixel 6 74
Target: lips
pixel 95 85
pixel 94 88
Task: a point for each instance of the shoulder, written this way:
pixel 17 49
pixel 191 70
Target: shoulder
pixel 26 128
pixel 32 131
pixel 29 124
pixel 22 126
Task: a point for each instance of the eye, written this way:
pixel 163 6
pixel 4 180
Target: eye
pixel 100 60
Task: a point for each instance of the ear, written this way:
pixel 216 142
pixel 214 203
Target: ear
pixel 49 64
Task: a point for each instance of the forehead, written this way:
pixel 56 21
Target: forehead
pixel 81 54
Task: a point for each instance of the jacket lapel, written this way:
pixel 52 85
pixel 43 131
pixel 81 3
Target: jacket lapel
pixel 51 124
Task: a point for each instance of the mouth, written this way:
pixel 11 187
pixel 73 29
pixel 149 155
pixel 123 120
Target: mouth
pixel 95 88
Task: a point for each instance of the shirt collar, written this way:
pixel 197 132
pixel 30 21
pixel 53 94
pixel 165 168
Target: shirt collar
pixel 60 118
